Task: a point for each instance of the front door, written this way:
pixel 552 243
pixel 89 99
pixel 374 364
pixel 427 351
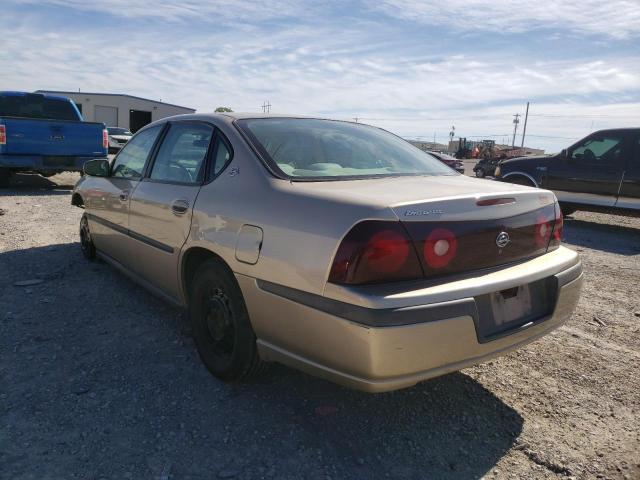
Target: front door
pixel 162 204
pixel 108 203
pixel 591 171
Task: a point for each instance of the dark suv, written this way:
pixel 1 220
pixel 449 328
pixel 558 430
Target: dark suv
pixel 599 173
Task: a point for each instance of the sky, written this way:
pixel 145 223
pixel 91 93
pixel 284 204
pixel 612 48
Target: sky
pixel 416 68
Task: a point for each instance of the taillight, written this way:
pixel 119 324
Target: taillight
pixel 543 230
pixel 375 252
pixel 105 138
pixel 556 238
pixel 440 248
pixel 3 135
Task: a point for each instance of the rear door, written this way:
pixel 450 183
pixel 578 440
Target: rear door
pixel 630 189
pixel 162 205
pixel 107 202
pixel 592 170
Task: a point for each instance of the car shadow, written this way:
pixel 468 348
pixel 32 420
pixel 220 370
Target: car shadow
pixel 609 237
pixel 34 184
pixel 95 369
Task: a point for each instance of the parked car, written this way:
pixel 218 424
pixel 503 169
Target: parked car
pixel 333 247
pixel 117 138
pixel 601 172
pixel 45 134
pixel 449 161
pixel 486 167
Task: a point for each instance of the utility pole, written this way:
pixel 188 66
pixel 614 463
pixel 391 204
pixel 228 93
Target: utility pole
pixel 356 119
pixel 524 129
pixel 516 121
pixel 451 135
pixel 266 107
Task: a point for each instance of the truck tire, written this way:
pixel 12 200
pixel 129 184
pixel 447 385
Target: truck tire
pixel 220 324
pixel 5 176
pixel 520 180
pixel 566 210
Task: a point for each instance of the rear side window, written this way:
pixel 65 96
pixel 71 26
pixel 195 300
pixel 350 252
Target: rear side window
pixel 37 106
pixel 221 158
pixel 182 153
pixel 131 160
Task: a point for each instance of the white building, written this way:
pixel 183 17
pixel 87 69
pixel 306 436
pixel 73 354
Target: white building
pixel 119 110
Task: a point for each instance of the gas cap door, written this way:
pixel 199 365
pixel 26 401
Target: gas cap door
pixel 249 244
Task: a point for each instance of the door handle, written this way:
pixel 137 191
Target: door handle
pixel 124 195
pixel 180 207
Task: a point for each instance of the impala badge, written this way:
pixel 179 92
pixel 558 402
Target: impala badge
pixel 502 240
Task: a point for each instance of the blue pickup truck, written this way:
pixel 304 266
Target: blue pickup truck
pixel 45 134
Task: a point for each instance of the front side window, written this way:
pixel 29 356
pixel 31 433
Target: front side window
pixel 182 153
pixel 601 150
pixel 131 160
pixel 316 149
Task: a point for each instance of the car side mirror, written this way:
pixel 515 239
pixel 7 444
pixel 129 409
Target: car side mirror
pixel 564 153
pixel 97 168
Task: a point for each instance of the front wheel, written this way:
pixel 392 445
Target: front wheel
pixel 480 173
pixel 220 323
pixel 566 211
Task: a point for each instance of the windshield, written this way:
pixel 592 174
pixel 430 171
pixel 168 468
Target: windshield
pixel 37 106
pixel 316 149
pixel 118 131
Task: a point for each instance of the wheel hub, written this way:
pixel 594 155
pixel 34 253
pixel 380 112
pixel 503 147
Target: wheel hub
pixel 218 317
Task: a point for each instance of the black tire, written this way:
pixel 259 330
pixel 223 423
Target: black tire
pixel 480 173
pixel 566 211
pixel 520 180
pixel 5 176
pixel 86 243
pixel 220 324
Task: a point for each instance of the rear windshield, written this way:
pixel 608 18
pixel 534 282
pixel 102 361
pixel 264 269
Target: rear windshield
pixel 301 148
pixel 118 131
pixel 37 106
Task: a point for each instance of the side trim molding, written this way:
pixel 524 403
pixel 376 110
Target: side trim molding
pixel 132 234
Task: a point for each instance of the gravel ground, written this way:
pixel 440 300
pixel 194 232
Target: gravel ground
pixel 99 379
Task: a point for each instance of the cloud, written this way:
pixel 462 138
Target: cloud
pixel 331 67
pixel 175 11
pixel 613 18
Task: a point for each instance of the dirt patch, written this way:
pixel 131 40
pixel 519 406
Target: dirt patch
pixel 101 380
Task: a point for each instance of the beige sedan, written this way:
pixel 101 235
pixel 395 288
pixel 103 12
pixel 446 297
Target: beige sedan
pixel 333 247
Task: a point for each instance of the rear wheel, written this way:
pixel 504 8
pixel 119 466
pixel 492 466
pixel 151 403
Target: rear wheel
pixel 5 175
pixel 220 323
pixel 86 244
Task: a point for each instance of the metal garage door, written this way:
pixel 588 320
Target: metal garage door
pixel 106 115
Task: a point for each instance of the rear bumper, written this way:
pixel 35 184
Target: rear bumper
pixel 425 340
pixel 44 163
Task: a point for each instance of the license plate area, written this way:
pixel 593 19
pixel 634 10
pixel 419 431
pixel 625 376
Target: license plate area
pixel 507 311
